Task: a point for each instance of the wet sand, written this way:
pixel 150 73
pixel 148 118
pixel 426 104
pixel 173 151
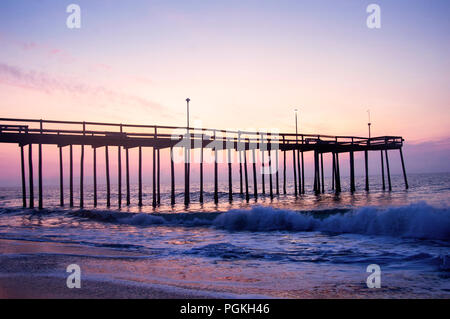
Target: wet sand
pixel 30 269
pixel 46 287
pixel 38 270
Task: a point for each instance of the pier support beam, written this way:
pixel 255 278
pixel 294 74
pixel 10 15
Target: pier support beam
pixel 299 172
pixel 71 175
pixel 82 177
pixel 61 178
pixel 388 170
pixel 98 138
pixel 41 204
pixel 316 173
pixel 295 172
pixel 230 185
pixel 201 172
pixel 186 176
pixel 119 177
pixel 140 178
pixel 94 151
pixel 276 172
pixel 337 174
pixel 303 171
pixel 188 173
pixel 127 169
pixel 247 197
pixel 108 181
pixel 366 160
pixel 154 178
pixel 382 170
pixel 263 173
pixel 216 182
pixel 284 172
pixel 30 174
pixel 22 170
pixel 172 178
pixel 269 154
pixel 333 171
pixel 158 199
pixel 255 185
pixel 321 168
pixel 352 172
pixel 241 188
pixel 404 170
pixel 82 170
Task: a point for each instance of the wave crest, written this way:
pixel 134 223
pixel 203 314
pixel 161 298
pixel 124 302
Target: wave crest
pixel 417 221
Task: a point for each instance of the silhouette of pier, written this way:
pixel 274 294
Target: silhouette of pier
pixel 29 132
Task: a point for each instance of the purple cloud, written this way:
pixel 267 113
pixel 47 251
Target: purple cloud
pixel 41 81
pixel 429 156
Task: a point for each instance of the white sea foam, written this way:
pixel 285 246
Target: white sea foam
pixel 418 220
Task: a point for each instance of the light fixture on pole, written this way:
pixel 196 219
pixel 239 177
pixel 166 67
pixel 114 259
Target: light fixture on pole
pixel 369 124
pixel 187 157
pixel 187 107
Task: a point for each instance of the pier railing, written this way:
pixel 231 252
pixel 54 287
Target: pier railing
pixel 119 130
pixel 26 132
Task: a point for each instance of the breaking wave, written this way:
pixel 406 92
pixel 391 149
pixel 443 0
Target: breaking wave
pixel 418 220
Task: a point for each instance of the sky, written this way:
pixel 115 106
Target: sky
pixel 244 64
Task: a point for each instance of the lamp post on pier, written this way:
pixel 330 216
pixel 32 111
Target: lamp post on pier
pixel 299 168
pixel 187 159
pixel 187 115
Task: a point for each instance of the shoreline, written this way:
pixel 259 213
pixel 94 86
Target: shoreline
pixel 37 270
pixel 53 287
pixel 47 279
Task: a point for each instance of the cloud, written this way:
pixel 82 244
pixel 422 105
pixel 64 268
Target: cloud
pixel 429 156
pixel 36 48
pixel 438 144
pixel 44 82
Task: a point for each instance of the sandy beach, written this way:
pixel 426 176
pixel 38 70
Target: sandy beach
pixel 31 269
pixel 37 270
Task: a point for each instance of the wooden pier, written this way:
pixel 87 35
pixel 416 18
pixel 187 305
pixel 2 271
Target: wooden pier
pixel 63 134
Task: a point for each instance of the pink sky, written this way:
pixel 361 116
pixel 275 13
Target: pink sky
pixel 243 66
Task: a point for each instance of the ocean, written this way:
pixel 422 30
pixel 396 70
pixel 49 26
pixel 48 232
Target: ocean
pixel 308 246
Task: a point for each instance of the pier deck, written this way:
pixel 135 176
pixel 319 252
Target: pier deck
pixel 26 132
